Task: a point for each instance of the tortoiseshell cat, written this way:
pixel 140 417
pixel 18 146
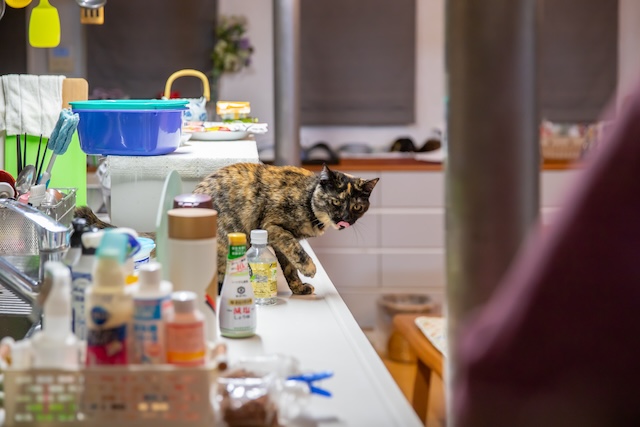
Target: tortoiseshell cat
pixel 291 203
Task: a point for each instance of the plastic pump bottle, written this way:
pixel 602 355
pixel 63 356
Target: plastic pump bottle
pixel 55 346
pixel 237 305
pixel 263 267
pixel 109 307
pixel 152 307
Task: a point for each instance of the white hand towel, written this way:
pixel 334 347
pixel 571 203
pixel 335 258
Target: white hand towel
pixel 50 102
pixel 13 103
pixel 32 103
pixel 2 109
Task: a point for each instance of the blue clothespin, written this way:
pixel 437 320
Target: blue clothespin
pixel 310 378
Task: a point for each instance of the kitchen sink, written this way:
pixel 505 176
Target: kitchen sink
pixel 15 312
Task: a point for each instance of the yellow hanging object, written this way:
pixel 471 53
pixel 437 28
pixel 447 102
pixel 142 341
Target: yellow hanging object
pixel 44 26
pixel 18 4
pixel 92 16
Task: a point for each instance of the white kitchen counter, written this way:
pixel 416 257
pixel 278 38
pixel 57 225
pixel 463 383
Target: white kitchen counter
pixel 321 333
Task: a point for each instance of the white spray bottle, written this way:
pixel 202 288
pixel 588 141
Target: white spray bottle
pixel 55 346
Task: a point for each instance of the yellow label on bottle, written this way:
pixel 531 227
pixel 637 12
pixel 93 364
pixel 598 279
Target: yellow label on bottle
pixel 264 279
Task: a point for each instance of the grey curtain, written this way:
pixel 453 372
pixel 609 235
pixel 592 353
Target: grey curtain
pixel 142 42
pixel 579 58
pixel 357 62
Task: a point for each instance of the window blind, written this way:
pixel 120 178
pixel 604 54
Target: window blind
pixel 357 62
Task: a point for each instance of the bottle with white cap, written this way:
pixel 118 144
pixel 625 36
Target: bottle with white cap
pixel 186 343
pixel 263 268
pixel 55 346
pixel 151 309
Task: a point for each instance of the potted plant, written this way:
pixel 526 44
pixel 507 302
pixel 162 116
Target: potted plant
pixel 232 50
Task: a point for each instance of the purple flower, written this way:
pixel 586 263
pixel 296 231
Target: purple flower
pixel 243 43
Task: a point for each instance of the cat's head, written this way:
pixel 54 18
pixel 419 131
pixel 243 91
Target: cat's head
pixel 341 199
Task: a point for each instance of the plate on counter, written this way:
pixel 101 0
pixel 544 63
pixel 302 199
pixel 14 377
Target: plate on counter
pixel 218 135
pixel 222 131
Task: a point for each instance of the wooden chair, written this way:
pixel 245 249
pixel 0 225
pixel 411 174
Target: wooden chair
pixel 429 362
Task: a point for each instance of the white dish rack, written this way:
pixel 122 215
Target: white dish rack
pixel 133 395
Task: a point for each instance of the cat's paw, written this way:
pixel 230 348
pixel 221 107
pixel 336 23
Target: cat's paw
pixel 308 269
pixel 301 288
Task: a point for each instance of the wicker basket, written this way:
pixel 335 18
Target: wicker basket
pixel 557 147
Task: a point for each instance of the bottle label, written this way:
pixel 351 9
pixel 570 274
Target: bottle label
pixel 237 306
pixel 149 331
pixel 78 287
pixel 106 346
pixel 186 344
pixel 264 279
pixel 237 266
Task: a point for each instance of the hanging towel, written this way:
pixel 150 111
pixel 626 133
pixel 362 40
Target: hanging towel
pixel 31 104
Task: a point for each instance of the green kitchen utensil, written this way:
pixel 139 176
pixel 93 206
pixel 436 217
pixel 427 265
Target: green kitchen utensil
pixel 44 26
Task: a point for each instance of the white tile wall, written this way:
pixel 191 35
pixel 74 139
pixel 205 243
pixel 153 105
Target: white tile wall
pixel 412 229
pixel 412 189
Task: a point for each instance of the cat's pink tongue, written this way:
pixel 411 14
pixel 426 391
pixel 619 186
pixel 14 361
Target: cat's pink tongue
pixel 343 224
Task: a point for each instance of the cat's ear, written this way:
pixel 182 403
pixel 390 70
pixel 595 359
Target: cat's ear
pixel 368 185
pixel 326 176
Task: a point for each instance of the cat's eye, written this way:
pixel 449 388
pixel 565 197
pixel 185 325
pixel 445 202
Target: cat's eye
pixel 357 208
pixel 335 202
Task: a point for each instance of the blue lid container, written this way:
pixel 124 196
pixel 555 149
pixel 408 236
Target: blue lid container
pixel 129 132
pixel 130 104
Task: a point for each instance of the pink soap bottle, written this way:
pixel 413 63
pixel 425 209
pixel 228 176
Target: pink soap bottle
pixel 185 332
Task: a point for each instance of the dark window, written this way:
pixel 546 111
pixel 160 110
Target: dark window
pixel 579 62
pixel 357 62
pixel 13 41
pixel 143 42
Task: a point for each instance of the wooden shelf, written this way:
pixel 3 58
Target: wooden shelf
pixel 407 164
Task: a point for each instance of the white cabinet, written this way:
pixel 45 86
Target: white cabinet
pixel 398 245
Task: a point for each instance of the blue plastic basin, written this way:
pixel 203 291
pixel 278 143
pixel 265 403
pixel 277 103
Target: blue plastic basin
pixel 129 132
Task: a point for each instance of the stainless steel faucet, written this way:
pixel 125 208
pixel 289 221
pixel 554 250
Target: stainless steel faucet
pixel 53 242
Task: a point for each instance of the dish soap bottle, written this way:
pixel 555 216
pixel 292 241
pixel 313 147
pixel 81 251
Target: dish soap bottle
pixel 55 346
pixel 108 305
pixel 237 305
pixel 87 239
pixel 263 269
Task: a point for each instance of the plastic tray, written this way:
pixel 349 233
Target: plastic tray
pixel 136 395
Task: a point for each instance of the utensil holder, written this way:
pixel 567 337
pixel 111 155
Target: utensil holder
pixel 134 395
pixel 18 236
